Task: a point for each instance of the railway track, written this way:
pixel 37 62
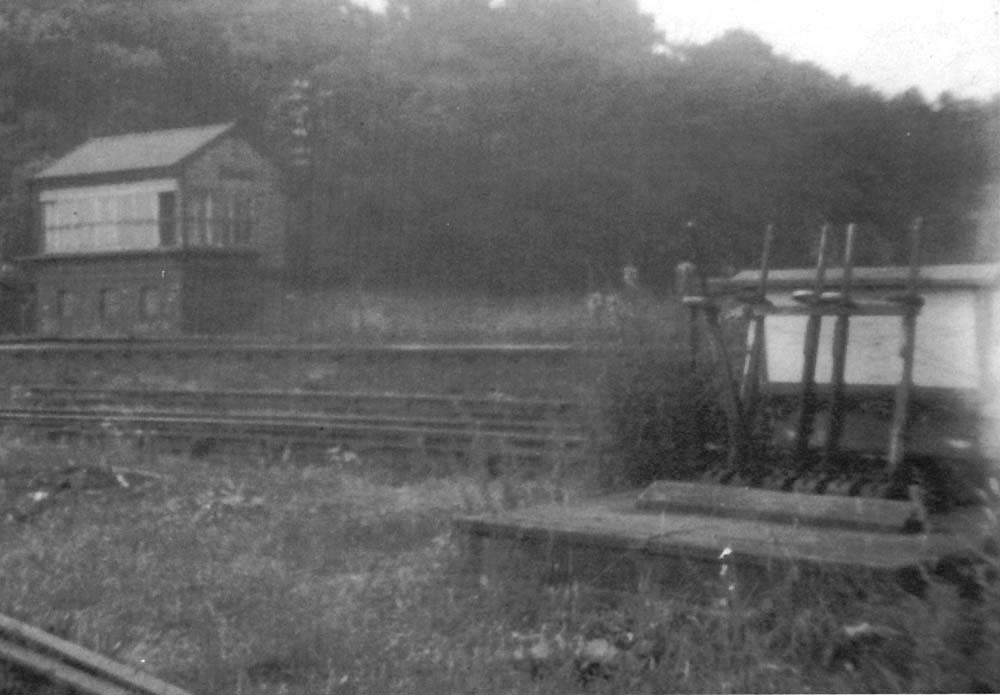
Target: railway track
pixel 203 346
pixel 554 370
pixel 280 419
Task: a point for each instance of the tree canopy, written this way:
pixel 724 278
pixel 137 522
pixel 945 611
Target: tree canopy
pixel 507 145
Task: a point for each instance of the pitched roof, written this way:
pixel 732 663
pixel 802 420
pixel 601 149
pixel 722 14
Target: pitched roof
pixel 135 151
pixel 964 275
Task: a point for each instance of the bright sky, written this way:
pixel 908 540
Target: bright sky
pixel 935 45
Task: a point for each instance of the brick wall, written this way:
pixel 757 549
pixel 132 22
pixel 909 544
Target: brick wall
pixel 125 295
pixel 195 292
pixel 219 294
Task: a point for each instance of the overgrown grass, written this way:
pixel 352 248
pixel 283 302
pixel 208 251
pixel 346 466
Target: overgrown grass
pixel 343 314
pixel 660 400
pixel 246 576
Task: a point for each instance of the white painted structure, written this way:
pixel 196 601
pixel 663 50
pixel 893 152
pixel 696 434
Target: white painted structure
pixel 957 337
pixel 115 217
pixel 958 328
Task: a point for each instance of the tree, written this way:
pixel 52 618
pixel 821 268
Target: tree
pixel 519 145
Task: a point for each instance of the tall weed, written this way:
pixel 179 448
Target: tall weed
pixel 660 405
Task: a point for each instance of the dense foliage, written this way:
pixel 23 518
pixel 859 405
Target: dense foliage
pixel 522 145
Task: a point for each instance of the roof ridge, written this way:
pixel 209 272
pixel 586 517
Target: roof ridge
pixel 224 125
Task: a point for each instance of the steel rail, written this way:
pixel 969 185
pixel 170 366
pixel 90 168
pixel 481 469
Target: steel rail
pixel 325 400
pixel 278 420
pixel 407 421
pixel 405 436
pixel 332 350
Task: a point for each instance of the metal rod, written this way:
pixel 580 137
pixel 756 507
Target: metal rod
pixel 685 276
pixel 841 333
pixel 897 432
pixel 684 282
pixel 749 389
pixel 739 438
pixel 810 348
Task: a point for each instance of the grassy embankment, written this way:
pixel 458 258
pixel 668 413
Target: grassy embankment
pixel 246 576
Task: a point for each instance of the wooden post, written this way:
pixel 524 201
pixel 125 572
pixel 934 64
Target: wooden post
pixel 810 347
pixel 749 389
pixel 900 411
pixel 684 287
pixel 841 332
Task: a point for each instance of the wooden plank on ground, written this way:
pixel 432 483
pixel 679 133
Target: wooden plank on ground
pixel 58 672
pixel 71 654
pixel 614 525
pixel 769 505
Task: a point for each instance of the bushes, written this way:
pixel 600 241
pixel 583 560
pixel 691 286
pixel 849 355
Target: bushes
pixel 661 412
